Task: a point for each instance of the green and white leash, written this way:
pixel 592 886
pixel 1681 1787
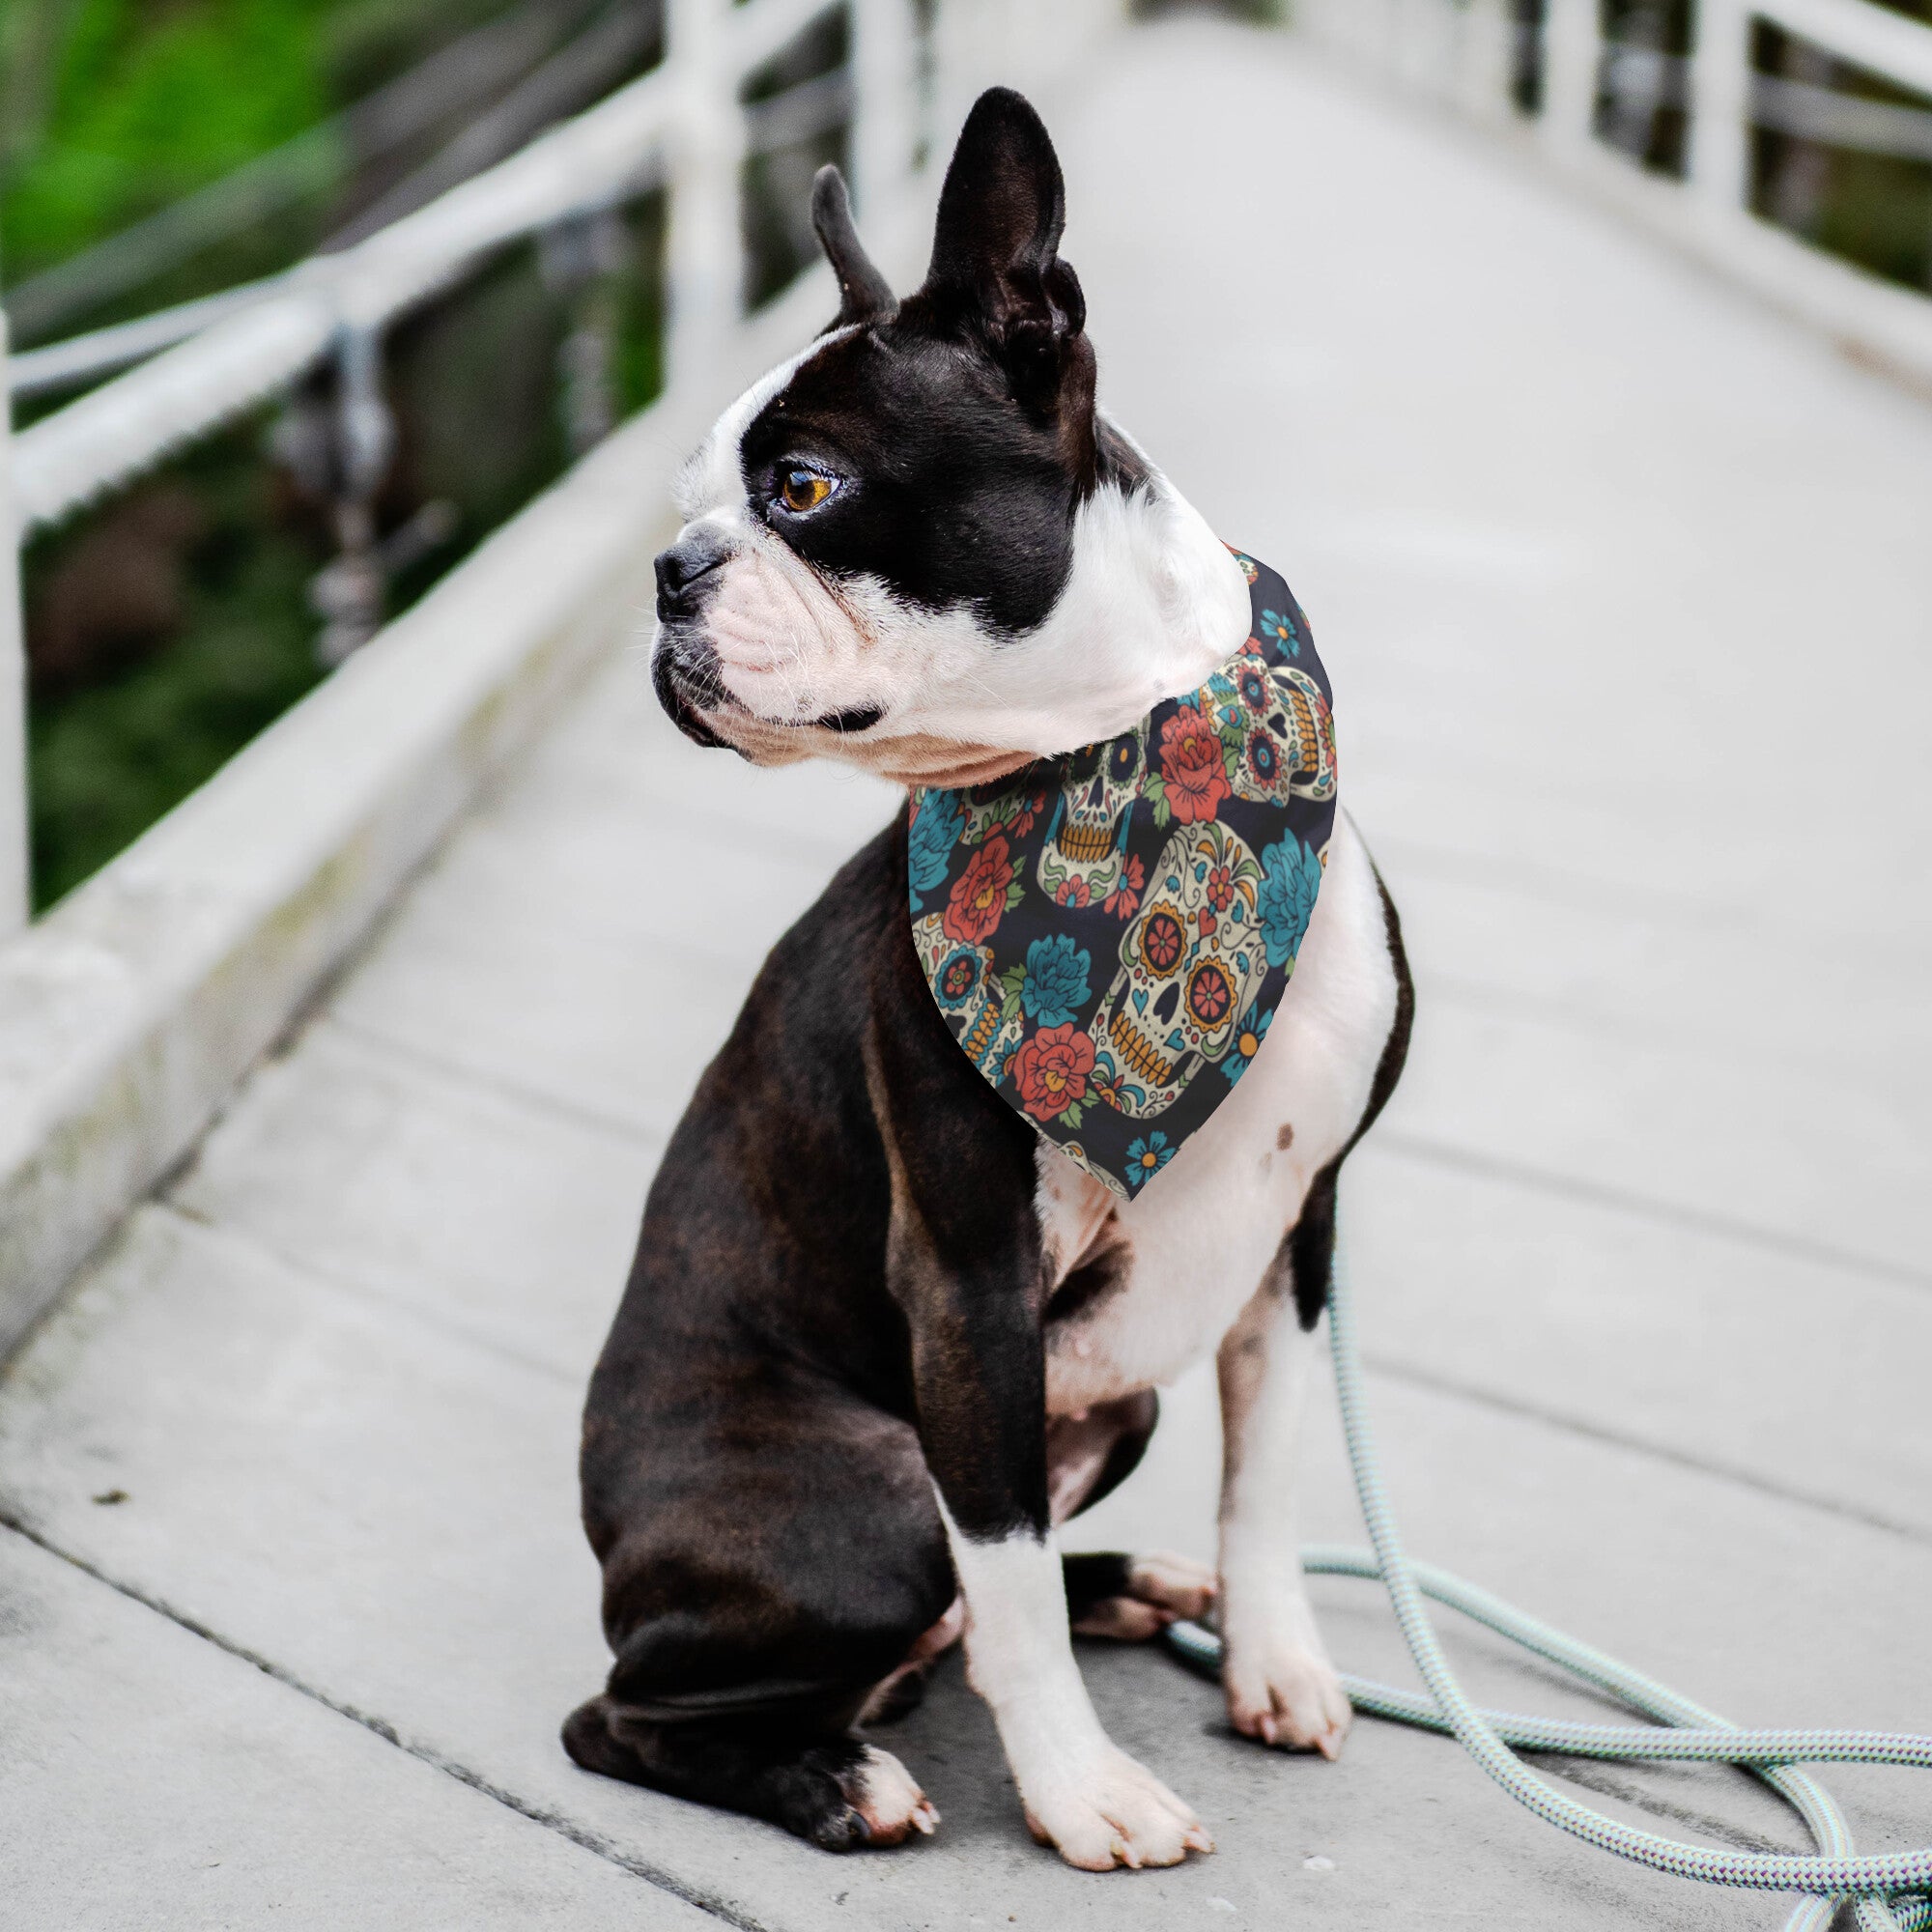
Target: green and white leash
pixel 1879 1887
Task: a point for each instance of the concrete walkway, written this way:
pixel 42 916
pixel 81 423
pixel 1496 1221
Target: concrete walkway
pixel 1625 590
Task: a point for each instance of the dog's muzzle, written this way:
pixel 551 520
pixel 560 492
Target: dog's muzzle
pixel 684 674
pixel 684 666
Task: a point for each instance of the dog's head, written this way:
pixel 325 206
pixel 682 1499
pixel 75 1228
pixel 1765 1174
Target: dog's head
pixel 917 546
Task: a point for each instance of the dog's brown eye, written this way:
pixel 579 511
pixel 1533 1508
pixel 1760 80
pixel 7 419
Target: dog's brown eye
pixel 803 489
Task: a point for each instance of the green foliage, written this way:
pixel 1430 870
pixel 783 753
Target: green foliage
pixel 472 378
pixel 110 109
pixel 140 104
pixel 109 757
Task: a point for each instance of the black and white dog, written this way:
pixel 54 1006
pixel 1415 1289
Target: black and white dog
pixel 879 1338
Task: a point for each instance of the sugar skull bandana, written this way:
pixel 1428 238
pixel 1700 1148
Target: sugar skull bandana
pixel 1108 934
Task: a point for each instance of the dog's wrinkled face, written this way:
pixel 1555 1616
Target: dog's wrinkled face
pixel 917 546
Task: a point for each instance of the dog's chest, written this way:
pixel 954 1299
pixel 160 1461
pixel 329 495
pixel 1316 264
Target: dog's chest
pixel 1143 1289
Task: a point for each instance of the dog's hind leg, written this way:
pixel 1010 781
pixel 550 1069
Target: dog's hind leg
pixel 760 1581
pixel 1131 1598
pixel 827 1787
pixel 1109 1593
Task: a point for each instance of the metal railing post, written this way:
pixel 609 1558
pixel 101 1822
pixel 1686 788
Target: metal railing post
pixel 1573 51
pixel 883 130
pixel 1424 56
pixel 1482 60
pixel 348 595
pixel 14 899
pixel 578 258
pixel 1720 107
pixel 703 253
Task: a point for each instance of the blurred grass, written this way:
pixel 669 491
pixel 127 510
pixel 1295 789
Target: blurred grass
pixel 109 754
pixel 108 758
pixel 111 109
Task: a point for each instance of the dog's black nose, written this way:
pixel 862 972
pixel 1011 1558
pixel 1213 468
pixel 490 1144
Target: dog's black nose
pixel 685 570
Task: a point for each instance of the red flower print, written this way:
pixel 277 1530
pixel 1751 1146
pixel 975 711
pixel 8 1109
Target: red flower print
pixel 1220 889
pixel 1023 820
pixel 1192 763
pixel 1210 995
pixel 979 895
pixel 1051 1071
pixel 1072 892
pixel 1163 940
pixel 1124 901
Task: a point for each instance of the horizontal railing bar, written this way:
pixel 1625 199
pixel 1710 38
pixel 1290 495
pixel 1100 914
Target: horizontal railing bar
pixel 1799 109
pixel 1807 113
pixel 130 423
pixel 234 362
pixel 753 35
pixel 442 85
pixel 127 425
pixel 800 112
pixel 1886 44
pixel 600 154
pixel 796 115
pixel 575 75
pixel 78 358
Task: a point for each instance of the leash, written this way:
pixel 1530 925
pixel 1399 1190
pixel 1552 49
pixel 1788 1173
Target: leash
pixel 1880 1887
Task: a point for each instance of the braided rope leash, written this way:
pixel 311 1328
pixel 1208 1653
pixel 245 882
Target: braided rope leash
pixel 1879 1886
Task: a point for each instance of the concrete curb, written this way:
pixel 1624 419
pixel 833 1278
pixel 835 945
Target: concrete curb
pixel 130 1011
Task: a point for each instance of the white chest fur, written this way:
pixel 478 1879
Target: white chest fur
pixel 1182 1259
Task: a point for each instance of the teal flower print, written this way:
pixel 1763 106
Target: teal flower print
pixel 1146 1158
pixel 953 983
pixel 1282 631
pixel 1245 1044
pixel 1055 981
pixel 1291 877
pixel 935 830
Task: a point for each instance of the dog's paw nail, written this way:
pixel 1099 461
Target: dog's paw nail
pixel 1125 1854
pixel 1329 1744
pixel 1198 1840
pixel 1266 1728
pixel 925 1820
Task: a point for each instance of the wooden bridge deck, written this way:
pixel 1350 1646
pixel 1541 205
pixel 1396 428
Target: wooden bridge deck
pixel 1626 590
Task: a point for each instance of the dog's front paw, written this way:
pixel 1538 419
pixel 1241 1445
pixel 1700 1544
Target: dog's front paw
pixel 879 1803
pixel 1285 1693
pixel 1112 1811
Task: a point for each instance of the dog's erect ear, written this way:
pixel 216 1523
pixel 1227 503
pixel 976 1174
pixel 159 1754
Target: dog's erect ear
pixel 862 292
pixel 994 256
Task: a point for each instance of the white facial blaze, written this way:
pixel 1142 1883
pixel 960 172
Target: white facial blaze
pixel 783 640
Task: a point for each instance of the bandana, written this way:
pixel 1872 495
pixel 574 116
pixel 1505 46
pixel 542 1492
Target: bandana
pixel 1108 934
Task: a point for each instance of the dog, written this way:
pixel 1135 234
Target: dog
pixel 880 1337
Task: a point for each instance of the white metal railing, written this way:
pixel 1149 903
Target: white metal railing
pixel 128 1013
pixel 611 151
pixel 681 125
pixel 14 881
pixel 1468 54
